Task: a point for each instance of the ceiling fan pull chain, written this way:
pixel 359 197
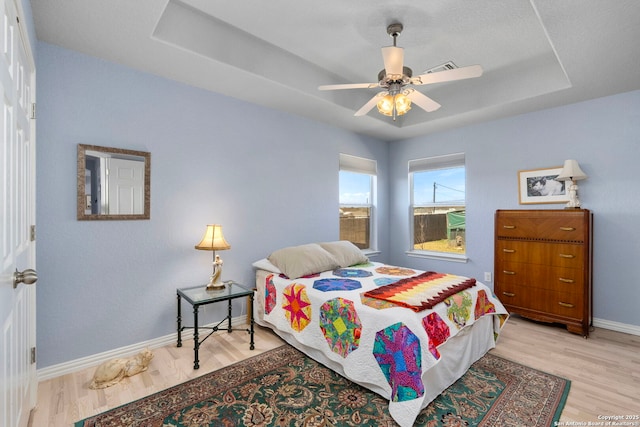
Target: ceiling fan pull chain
pixel 395 111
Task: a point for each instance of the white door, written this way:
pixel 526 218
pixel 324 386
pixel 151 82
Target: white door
pixel 18 382
pixel 125 186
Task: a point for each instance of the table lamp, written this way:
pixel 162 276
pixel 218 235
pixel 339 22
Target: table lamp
pixel 213 240
pixel 571 172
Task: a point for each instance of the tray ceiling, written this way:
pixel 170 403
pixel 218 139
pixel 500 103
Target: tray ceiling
pixel 535 54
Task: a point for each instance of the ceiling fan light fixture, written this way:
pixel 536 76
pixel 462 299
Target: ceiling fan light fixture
pixel 401 102
pixel 397 82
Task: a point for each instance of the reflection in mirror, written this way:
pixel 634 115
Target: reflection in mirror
pixel 113 183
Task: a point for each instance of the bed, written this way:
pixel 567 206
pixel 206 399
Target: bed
pixel 403 333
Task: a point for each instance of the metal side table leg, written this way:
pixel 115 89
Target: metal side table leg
pixel 196 343
pixel 229 317
pixel 179 323
pixel 250 310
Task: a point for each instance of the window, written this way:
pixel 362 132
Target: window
pixel 357 197
pixel 438 205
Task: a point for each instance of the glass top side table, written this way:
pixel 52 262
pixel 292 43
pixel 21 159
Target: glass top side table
pixel 199 295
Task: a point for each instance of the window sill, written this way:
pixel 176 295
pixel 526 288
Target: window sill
pixel 371 252
pixel 442 256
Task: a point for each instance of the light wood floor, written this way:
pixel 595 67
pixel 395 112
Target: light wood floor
pixel 604 371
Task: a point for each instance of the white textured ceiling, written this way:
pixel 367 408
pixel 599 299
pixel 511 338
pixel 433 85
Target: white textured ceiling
pixel 535 53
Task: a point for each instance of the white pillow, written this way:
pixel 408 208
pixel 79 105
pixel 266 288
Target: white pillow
pixel 303 260
pixel 345 252
pixel 264 264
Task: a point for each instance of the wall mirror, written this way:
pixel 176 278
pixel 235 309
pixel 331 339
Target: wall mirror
pixel 113 183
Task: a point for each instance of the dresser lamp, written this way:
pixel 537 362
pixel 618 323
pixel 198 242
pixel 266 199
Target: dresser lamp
pixel 213 240
pixel 571 172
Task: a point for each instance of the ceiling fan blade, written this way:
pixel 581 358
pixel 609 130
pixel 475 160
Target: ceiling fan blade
pixel 422 101
pixel 369 105
pixel 448 76
pixel 393 58
pixel 349 86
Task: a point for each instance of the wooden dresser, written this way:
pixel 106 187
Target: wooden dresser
pixel 543 265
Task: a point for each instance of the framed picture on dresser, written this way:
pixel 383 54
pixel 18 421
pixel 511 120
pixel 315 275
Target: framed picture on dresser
pixel 537 186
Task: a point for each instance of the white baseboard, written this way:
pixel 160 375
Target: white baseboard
pixel 96 359
pixel 617 326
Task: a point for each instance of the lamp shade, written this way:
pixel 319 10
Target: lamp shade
pixel 213 239
pixel 571 171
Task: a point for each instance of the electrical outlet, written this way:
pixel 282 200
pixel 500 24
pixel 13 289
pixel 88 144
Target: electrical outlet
pixel 487 276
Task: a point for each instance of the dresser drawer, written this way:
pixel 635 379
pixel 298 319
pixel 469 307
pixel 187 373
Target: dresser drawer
pixel 539 276
pixel 540 226
pixel 566 304
pixel 556 254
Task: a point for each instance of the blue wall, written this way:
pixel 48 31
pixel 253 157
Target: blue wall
pixel 270 178
pixel 602 134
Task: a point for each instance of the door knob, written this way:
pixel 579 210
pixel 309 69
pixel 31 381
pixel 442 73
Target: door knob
pixel 28 277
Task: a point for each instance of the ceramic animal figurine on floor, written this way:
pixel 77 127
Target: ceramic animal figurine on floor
pixel 112 371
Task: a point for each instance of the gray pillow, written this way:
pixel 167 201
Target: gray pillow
pixel 303 260
pixel 345 253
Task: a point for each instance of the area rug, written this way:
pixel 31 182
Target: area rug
pixel 283 387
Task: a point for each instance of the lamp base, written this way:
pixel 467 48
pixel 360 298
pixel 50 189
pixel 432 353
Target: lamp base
pixel 574 201
pixel 215 286
pixel 214 281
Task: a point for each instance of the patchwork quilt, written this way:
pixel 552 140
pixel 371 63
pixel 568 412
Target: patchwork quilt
pixel 382 335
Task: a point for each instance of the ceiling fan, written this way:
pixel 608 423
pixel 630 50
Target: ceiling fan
pixel 397 81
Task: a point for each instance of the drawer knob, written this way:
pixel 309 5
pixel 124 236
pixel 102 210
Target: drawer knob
pixel 509 227
pixel 508 272
pixel 570 256
pixel 509 294
pixel 509 251
pixel 567 228
pixel 565 304
pixel 562 279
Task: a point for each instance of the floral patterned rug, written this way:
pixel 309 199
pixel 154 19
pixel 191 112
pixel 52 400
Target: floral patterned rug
pixel 283 387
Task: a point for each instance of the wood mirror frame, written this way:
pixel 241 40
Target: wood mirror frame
pixel 84 202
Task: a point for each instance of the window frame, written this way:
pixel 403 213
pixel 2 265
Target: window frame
pixel 360 165
pixel 428 164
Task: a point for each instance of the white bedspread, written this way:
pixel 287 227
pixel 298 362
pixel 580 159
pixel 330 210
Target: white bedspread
pixel 389 349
